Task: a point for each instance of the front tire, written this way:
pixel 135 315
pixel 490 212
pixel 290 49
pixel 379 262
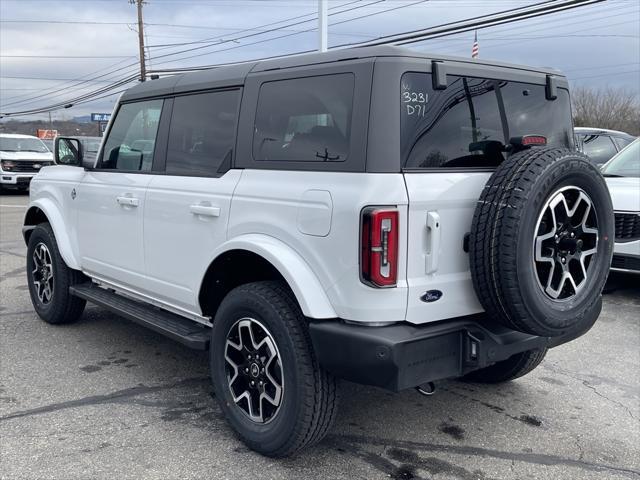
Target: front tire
pixel 49 279
pixel 265 375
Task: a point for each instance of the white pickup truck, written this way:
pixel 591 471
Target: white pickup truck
pixel 376 215
pixel 21 157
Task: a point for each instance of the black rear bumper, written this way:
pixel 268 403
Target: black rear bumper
pixel 403 355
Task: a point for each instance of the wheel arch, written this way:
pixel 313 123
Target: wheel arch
pixel 258 257
pixel 44 210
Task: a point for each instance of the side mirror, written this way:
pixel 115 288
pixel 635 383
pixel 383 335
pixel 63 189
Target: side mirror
pixel 68 151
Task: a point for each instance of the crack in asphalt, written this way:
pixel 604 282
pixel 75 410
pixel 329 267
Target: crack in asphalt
pixel 532 458
pixel 16 272
pixel 7 252
pixel 586 383
pixel 113 397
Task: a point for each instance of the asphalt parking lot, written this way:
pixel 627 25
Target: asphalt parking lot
pixel 107 399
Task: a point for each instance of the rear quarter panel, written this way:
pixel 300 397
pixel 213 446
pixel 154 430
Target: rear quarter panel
pixel 317 214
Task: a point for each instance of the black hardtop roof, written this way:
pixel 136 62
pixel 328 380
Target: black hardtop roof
pixel 234 74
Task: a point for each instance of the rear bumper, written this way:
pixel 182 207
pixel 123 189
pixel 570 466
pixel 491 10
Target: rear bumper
pixel 402 356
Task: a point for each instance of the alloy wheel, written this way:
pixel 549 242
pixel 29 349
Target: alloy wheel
pixel 42 273
pixel 565 243
pixel 254 370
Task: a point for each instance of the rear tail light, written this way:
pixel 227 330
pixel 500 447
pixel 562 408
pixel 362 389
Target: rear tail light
pixel 379 246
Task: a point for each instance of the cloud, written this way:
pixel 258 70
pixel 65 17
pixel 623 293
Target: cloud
pixel 566 41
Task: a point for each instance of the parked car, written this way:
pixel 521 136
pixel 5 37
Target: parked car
pixel 622 174
pixel 313 218
pixel 600 144
pixel 21 157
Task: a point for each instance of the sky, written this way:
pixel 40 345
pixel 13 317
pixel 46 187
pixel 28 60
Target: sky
pixel 48 47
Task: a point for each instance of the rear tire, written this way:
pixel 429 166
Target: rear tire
pixel 302 397
pixel 49 279
pixel 513 367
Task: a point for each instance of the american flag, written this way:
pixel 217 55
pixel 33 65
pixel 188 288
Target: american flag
pixel 476 48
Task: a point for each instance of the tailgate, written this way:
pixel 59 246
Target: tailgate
pixel 441 206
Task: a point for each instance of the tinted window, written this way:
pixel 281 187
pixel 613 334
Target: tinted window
pixel 305 119
pixel 202 133
pixel 132 138
pixel 599 148
pixel 466 124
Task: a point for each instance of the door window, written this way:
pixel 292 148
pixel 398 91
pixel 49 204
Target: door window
pixel 599 148
pixel 202 133
pixel 305 119
pixel 131 142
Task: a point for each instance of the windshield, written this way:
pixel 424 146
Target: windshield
pixel 466 124
pixel 626 163
pixel 26 144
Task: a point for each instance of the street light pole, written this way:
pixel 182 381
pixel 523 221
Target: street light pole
pixel 322 25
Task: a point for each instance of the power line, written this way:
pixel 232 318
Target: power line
pixel 290 34
pixel 249 35
pixel 451 28
pixel 48 57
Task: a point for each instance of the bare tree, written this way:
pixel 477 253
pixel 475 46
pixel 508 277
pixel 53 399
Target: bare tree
pixel 614 108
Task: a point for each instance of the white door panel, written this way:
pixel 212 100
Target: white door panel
pixel 185 221
pixel 441 207
pixel 110 211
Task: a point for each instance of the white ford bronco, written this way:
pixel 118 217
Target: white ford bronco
pixel 377 215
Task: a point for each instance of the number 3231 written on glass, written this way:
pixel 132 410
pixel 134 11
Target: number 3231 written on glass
pixel 415 102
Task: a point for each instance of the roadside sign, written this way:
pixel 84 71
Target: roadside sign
pixel 100 117
pixel 45 134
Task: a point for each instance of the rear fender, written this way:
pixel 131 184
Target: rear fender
pixel 303 282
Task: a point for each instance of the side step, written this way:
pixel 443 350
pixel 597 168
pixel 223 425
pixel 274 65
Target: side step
pixel 183 330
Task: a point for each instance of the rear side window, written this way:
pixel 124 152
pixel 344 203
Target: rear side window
pixel 132 137
pixel 202 133
pixel 462 125
pixel 599 148
pixel 304 119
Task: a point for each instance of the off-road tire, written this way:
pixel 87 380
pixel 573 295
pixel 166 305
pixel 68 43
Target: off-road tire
pixel 63 307
pixel 513 367
pixel 310 396
pixel 502 237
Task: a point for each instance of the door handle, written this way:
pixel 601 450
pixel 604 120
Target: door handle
pixel 205 209
pixel 127 201
pixel 433 242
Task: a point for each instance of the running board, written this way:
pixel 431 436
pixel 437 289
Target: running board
pixel 183 330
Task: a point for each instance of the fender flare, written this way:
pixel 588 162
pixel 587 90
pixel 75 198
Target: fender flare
pixel 60 230
pixel 305 285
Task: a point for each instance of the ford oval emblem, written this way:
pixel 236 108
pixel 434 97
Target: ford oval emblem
pixel 431 296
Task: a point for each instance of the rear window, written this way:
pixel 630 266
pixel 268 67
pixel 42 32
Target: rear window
pixel 458 126
pixel 599 148
pixel 304 119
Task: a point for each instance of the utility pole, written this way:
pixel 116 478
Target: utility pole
pixel 143 69
pixel 322 25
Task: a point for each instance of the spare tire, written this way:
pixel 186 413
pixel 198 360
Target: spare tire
pixel 541 242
